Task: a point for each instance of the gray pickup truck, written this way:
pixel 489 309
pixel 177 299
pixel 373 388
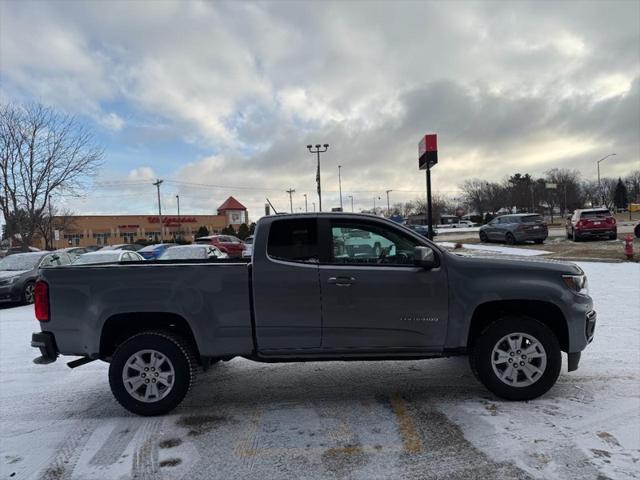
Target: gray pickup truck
pixel 318 287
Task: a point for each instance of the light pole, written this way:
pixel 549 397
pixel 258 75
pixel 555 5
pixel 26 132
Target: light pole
pixel 388 207
pixel 599 186
pixel 157 185
pixel 178 200
pixel 374 204
pixel 290 192
pixel 340 185
pixel 305 203
pixel 351 197
pixel 314 206
pixel 318 151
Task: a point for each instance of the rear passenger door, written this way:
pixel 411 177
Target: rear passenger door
pixel 286 287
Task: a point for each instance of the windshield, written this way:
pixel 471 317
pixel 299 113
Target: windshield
pixel 19 261
pixel 89 258
pixel 183 253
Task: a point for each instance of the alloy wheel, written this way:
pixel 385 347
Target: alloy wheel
pixel 148 376
pixel 519 359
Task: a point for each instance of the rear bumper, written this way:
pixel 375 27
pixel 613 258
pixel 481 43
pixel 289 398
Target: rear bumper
pixel 46 342
pixel 531 235
pixel 597 233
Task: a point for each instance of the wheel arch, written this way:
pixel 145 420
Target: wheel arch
pixel 546 312
pixel 119 327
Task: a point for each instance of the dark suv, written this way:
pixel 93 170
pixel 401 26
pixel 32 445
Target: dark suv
pixel 515 228
pixel 591 223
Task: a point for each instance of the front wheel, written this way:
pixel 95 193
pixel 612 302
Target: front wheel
pixel 517 358
pixel 151 372
pixel 483 237
pixel 539 241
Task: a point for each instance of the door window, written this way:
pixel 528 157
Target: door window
pixel 294 240
pixel 363 243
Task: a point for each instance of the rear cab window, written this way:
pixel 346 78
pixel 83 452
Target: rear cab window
pixel 294 240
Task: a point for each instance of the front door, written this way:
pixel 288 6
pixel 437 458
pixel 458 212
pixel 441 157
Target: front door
pixel 286 287
pixel 373 297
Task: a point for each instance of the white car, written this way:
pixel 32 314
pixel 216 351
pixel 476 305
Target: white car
pixel 107 256
pixel 192 252
pixel 463 224
pixel 248 247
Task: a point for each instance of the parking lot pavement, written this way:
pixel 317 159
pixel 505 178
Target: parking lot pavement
pixel 363 420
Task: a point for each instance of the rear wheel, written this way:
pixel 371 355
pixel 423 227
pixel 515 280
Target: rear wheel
pixel 613 236
pixel 510 239
pixel 27 292
pixel 517 358
pixel 484 237
pixel 151 372
pixel 575 236
pixel 539 241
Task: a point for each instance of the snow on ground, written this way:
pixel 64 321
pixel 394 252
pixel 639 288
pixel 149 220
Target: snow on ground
pixel 361 420
pixel 521 252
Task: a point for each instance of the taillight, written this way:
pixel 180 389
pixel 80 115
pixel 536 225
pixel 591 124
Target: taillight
pixel 41 300
pixel 611 220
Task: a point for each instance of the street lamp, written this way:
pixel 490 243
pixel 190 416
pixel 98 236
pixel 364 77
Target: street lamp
pixel 388 208
pixel 599 186
pixel 340 185
pixel 351 197
pixel 305 202
pixel 318 151
pixel 291 191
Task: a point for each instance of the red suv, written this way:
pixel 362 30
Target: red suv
pixel 591 222
pixel 229 244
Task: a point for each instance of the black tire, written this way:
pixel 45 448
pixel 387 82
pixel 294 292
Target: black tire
pixel 613 236
pixel 510 239
pixel 175 349
pixel 568 235
pixel 539 241
pixel 636 230
pixel 576 237
pixel 483 237
pixel 481 357
pixel 27 292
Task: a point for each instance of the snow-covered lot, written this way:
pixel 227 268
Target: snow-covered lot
pixel 418 419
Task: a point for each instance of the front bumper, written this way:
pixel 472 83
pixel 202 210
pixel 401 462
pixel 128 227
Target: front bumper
pixel 9 293
pixel 46 342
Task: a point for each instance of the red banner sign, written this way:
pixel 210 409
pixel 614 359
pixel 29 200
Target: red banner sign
pixel 172 220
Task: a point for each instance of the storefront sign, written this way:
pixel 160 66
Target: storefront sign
pixel 172 220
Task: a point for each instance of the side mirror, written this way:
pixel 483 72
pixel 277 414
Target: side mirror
pixel 424 257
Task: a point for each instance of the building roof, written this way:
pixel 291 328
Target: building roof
pixel 231 204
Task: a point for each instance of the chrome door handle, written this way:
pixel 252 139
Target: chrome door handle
pixel 341 281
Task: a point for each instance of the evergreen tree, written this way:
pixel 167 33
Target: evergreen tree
pixel 620 195
pixel 243 231
pixel 202 232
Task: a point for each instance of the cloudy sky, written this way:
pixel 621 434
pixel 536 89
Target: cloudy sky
pixel 221 98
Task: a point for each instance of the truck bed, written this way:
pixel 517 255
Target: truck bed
pixel 212 297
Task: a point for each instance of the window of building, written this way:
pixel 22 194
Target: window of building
pixel 294 240
pixel 101 238
pixel 128 237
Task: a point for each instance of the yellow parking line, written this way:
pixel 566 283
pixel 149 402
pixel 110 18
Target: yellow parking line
pixel 410 438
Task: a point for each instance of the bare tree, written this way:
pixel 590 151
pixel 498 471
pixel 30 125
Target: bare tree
pixel 633 186
pixel 567 193
pixel 41 152
pixel 54 219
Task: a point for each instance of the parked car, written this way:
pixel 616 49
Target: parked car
pixel 229 244
pixel 18 273
pixel 186 252
pixel 132 247
pixel 108 256
pixel 463 224
pixel 591 223
pixel 515 228
pixel 92 248
pixel 73 252
pixel 421 230
pixel 14 250
pixel 636 230
pixel 301 301
pixel 248 247
pixel 151 252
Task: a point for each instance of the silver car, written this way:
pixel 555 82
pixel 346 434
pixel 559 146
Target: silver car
pixel 516 228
